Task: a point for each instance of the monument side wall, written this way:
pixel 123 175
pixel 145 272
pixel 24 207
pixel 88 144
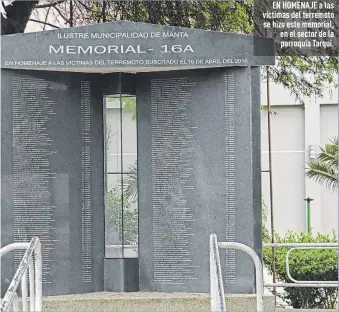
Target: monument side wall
pixel 196 171
pixel 51 170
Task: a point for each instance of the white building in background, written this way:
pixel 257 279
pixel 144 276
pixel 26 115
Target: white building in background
pixel 295 131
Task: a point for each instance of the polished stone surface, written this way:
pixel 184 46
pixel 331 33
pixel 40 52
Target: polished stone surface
pixel 198 174
pixel 132 47
pixel 51 173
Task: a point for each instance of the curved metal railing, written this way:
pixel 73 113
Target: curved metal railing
pixel 217 286
pixel 299 246
pixel 31 262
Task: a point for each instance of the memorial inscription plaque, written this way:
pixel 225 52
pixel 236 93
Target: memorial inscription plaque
pixel 86 213
pixel 33 203
pixel 172 136
pixel 230 160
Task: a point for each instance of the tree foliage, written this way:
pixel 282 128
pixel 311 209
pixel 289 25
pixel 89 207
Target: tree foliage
pixel 16 15
pixel 121 218
pixel 324 168
pixel 129 105
pixel 305 76
pixel 131 183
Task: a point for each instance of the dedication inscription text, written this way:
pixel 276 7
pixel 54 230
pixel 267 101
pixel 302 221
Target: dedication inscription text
pixel 33 207
pixel 171 168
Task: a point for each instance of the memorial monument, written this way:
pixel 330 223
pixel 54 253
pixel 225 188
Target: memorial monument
pixel 198 122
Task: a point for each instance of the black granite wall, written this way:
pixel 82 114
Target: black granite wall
pixel 52 176
pixel 197 175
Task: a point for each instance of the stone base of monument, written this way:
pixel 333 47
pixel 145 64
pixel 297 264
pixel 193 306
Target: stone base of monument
pixel 148 301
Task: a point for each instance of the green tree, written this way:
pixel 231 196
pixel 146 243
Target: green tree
pixel 129 105
pixel 324 168
pixel 131 183
pixel 16 16
pixel 123 221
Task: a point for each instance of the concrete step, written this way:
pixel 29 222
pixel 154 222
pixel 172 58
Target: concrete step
pixel 148 301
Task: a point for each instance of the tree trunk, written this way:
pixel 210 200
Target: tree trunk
pixel 17 16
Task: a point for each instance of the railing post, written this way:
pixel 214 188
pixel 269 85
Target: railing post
pixel 38 277
pixel 31 286
pixel 26 266
pixel 296 283
pixel 15 303
pixel 217 287
pixel 24 292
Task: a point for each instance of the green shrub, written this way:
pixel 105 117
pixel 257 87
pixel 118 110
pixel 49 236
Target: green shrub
pixel 306 265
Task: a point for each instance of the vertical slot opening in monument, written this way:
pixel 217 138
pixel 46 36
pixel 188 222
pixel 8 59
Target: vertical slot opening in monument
pixel 121 209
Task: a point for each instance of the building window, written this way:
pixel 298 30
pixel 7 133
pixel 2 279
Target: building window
pixel 121 206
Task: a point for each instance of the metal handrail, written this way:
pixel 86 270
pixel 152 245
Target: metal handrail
pixel 301 245
pixel 296 283
pixel 217 286
pixel 306 285
pixel 258 269
pixel 20 276
pixel 335 283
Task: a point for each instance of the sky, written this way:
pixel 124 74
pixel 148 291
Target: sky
pixel 40 14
